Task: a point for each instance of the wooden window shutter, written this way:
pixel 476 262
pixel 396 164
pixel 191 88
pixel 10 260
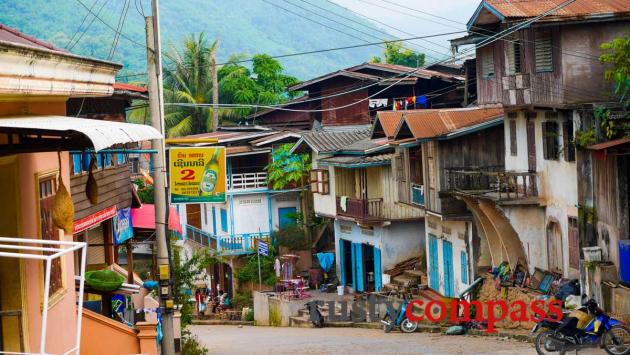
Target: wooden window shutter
pixel 400 168
pixel 514 57
pixel 313 180
pixel 568 140
pixel 574 243
pixel 325 183
pixel 513 148
pixel 487 62
pixel 543 51
pixel 545 141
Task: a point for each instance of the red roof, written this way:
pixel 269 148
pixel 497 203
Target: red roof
pixel 129 87
pixel 440 122
pixel 12 35
pixel 610 144
pixel 144 217
pixel 532 8
pixel 389 121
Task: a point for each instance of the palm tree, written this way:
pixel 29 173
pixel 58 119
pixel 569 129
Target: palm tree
pixel 190 81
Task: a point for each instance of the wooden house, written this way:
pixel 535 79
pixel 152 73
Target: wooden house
pixel 352 96
pixel 430 146
pixel 548 79
pixel 352 182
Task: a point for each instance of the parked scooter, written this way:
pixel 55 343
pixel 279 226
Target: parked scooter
pixel 602 331
pixel 314 314
pixel 401 321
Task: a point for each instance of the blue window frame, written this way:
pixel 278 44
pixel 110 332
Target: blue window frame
pixel 224 222
pixel 77 167
pixel 464 263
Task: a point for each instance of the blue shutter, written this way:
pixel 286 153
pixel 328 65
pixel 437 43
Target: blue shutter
pixel 447 255
pixel 378 282
pixel 121 158
pixel 87 159
pixel 76 164
pixel 99 161
pixel 342 260
pixel 214 221
pixel 464 262
pixel 359 266
pixel 434 278
pixel 224 220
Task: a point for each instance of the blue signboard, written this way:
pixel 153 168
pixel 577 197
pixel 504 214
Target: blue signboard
pixel 263 248
pixel 123 229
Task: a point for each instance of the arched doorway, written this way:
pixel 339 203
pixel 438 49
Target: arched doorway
pixel 554 247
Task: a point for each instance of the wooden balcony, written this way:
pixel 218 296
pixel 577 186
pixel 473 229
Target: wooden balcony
pixel 361 210
pixel 241 244
pixel 203 239
pixel 494 183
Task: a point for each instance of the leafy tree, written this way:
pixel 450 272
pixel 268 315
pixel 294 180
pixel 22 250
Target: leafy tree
pixel 617 53
pixel 249 271
pixel 287 169
pixel 189 81
pixel 397 53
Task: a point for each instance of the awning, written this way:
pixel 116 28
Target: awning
pixel 144 217
pixel 610 144
pixel 69 133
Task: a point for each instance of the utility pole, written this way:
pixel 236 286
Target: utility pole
pixel 156 105
pixel 215 89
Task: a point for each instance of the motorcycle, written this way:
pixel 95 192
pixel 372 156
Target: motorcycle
pixel 314 314
pixel 601 331
pixel 402 322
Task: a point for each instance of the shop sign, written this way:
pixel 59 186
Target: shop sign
pixel 92 220
pixel 197 175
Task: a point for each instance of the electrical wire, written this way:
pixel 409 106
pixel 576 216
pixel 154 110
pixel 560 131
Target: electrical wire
pixel 111 27
pixel 80 25
pixel 87 27
pixel 121 24
pixel 484 42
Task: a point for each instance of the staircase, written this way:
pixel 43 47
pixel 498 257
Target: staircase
pixel 408 279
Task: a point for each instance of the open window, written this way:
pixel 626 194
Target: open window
pixel 320 181
pixel 551 135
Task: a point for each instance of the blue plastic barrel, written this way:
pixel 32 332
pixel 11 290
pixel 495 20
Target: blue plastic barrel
pixel 624 260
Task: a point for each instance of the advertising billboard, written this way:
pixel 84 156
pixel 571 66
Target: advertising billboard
pixel 197 174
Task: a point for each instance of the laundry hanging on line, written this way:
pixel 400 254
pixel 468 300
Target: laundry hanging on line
pixel 410 103
pixel 378 103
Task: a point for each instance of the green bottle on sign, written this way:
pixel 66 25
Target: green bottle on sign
pixel 210 175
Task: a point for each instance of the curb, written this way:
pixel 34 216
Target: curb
pixel 221 322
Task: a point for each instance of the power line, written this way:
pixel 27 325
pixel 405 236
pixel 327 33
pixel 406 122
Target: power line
pixel 480 30
pixel 121 24
pixel 326 50
pixel 86 27
pixel 80 25
pixel 366 26
pixel 489 40
pixel 111 27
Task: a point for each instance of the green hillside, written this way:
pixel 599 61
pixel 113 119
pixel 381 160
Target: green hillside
pixel 243 27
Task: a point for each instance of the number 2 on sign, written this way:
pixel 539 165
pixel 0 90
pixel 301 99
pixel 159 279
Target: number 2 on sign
pixel 188 174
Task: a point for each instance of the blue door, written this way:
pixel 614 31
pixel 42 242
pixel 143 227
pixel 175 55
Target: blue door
pixel 358 266
pixel 286 216
pixel 447 254
pixel 434 274
pixel 342 262
pixel 378 282
pixel 464 262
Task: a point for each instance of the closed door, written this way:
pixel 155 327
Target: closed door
pixel 531 145
pixel 554 247
pixel 449 280
pixel 434 274
pixel 286 216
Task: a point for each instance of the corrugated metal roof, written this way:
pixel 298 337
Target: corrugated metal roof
pixel 231 136
pixel 389 121
pixel 129 87
pixel 332 141
pixel 352 161
pixel 12 35
pixel 102 134
pixel 343 72
pixel 532 8
pixel 366 146
pixel 401 69
pixel 610 144
pixel 439 122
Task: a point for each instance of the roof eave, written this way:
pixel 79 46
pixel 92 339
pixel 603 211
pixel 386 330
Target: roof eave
pixel 483 5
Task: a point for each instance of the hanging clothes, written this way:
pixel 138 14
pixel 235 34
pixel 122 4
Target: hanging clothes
pixel 325 260
pixel 421 101
pixel 277 267
pixel 377 103
pixel 411 102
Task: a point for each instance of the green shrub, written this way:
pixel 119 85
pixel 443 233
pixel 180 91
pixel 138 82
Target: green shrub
pixel 249 316
pixel 243 299
pixel 292 237
pixel 191 345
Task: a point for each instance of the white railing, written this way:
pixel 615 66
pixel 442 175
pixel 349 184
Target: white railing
pixel 247 181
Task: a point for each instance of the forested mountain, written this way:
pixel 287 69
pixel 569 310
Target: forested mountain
pixel 243 27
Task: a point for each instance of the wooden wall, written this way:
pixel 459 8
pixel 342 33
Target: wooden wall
pixel 114 189
pixel 382 184
pixel 352 115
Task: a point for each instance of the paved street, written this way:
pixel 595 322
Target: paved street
pixel 269 340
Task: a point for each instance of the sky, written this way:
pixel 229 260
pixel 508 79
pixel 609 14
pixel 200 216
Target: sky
pixel 393 13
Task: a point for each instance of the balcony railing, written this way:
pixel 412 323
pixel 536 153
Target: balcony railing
pixel 247 181
pixel 237 244
pixel 198 236
pixel 417 194
pixel 360 209
pixel 493 182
